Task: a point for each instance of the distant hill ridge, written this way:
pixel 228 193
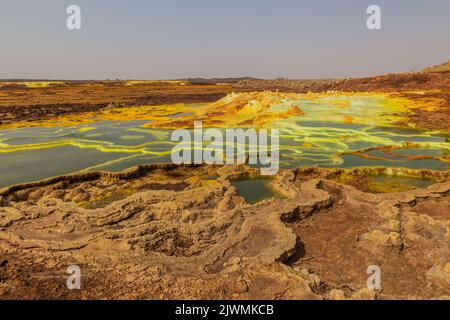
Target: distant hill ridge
pixel 432 78
pixel 278 82
pixel 445 67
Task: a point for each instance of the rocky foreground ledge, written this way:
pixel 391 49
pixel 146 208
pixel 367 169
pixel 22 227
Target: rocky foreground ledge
pixel 183 232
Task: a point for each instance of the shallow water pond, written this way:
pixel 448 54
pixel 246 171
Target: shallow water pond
pixel 255 190
pixel 105 201
pixel 386 183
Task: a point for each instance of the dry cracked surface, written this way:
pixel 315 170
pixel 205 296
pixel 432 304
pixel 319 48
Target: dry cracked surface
pixel 175 232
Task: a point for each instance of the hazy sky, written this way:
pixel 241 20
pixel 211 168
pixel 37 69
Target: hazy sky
pixel 149 39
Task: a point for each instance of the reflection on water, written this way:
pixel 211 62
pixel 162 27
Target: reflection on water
pixel 255 190
pixel 320 137
pixel 32 165
pixel 350 161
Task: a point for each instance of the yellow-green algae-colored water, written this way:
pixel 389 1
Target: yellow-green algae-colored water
pixel 332 126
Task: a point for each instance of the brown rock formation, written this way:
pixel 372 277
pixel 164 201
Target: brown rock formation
pixel 140 237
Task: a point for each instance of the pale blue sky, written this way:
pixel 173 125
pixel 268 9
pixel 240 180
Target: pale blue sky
pixel 220 38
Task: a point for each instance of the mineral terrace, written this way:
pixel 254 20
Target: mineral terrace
pixel 170 232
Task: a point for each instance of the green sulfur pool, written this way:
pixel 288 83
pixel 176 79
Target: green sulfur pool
pixel 323 136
